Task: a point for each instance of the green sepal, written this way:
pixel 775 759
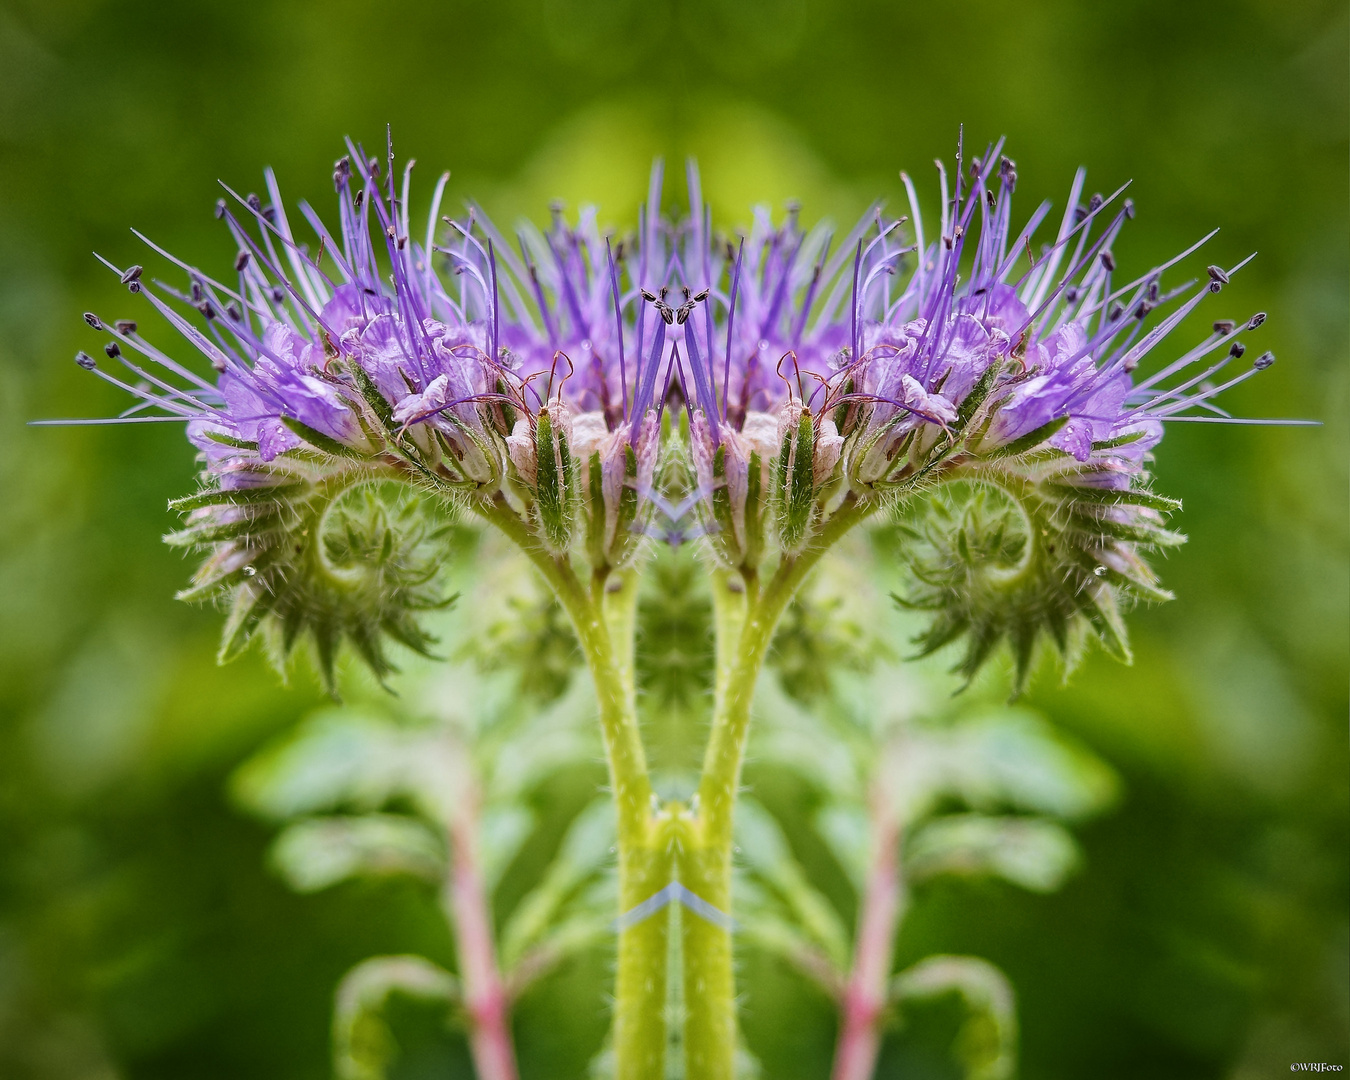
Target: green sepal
pixel 555 485
pixel 724 535
pixel 1119 440
pixel 596 518
pixel 794 484
pixel 320 441
pixel 370 393
pixel 977 395
pixel 754 511
pixel 1082 494
pixel 1029 441
pixel 230 441
pixel 246 496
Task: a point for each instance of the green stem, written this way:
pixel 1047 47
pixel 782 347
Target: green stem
pixel 747 623
pixel 599 617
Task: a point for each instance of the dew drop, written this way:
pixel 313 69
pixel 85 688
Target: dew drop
pixel 250 571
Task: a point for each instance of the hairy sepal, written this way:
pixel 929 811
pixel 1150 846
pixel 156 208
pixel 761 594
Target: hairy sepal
pixel 1025 547
pixel 323 549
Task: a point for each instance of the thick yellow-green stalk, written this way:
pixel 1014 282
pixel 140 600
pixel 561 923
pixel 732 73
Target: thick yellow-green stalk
pixel 745 623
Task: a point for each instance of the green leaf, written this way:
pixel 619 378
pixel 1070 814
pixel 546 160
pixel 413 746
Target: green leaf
pixel 363 1046
pixel 319 852
pixel 1031 852
pixel 339 758
pixel 986 1044
pixel 765 850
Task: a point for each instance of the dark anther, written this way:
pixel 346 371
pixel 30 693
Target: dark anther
pixel 254 203
pixel 220 209
pixel 125 326
pixel 1216 274
pixel 1143 309
pixel 93 320
pixel 1215 286
pixel 132 275
pixel 196 292
pixel 206 309
pixel 112 350
pixel 269 213
pixel 1071 295
pixel 232 310
pixel 1095 203
pixel 958 232
pixel 1079 213
pixel 402 242
pixel 85 361
pixel 947 240
pixel 241 260
pixel 278 294
pixel 699 297
pixel 1256 320
pixel 1263 361
pixel 374 166
pixel 134 287
pixel 1153 290
pixel 990 199
pixel 975 166
pixel 359 198
pixel 389 232
pixel 1114 313
pixel 1236 349
pixel 649 296
pixel 1108 260
pixel 1224 327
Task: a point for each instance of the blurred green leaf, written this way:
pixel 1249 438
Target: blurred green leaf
pixel 764 849
pixel 987 1041
pixel 363 1046
pixel 1010 758
pixel 1030 852
pixel 340 758
pixel 585 850
pixel 314 854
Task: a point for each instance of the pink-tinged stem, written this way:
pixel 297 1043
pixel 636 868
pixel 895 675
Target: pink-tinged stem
pixel 485 998
pixel 865 996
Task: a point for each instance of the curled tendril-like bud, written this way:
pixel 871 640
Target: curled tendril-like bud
pixel 1034 546
pixel 311 546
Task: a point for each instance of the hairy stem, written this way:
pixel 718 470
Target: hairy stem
pixel 745 625
pixel 604 625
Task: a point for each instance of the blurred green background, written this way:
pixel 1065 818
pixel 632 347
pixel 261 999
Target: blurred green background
pixel 140 933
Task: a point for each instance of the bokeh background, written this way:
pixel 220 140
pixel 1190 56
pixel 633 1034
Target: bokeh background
pixel 141 935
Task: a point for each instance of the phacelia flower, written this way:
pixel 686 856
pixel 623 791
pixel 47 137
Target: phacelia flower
pixel 598 388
